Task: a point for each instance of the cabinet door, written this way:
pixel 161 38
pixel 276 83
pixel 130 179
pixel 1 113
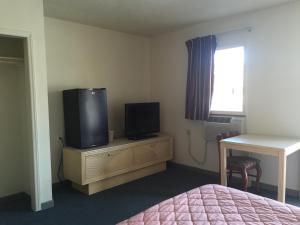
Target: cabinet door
pixel 152 153
pixel 102 165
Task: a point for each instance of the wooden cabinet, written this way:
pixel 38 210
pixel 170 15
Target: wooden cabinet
pixel 102 165
pixel 152 152
pixel 97 169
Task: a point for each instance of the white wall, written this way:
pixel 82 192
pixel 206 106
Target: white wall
pixel 80 56
pixel 272 82
pixel 27 15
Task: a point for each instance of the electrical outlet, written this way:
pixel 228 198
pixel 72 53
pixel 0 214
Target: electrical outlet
pixel 61 140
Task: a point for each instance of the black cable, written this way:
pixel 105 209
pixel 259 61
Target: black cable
pixel 60 160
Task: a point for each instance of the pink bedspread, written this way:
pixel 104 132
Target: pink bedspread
pixel 217 205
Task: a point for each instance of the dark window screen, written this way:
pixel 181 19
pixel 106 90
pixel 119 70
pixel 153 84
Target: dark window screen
pixel 141 118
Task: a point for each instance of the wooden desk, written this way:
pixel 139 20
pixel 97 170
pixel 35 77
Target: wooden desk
pixel 276 146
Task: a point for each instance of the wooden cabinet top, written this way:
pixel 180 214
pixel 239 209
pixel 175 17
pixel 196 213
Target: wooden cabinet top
pixel 119 143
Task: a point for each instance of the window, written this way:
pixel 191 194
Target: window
pixel 228 94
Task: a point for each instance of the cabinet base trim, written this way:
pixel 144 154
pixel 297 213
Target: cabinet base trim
pixel 101 185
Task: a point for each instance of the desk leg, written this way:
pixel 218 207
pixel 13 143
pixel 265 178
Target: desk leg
pixel 223 159
pixel 281 176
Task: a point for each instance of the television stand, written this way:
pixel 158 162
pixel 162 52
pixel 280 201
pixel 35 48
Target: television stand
pixel 121 161
pixel 141 137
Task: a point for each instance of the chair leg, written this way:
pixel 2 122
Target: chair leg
pixel 230 178
pixel 245 179
pixel 258 176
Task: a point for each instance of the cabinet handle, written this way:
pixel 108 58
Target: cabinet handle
pixel 114 153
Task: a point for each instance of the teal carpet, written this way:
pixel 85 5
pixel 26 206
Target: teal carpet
pixel 108 207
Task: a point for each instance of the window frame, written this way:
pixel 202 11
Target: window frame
pixel 235 113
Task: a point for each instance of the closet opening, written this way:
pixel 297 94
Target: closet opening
pixel 16 127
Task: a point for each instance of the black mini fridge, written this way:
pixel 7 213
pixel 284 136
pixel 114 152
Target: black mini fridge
pixel 85 112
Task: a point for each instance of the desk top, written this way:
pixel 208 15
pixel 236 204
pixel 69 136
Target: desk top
pixel 277 143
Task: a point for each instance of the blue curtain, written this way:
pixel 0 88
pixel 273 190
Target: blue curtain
pixel 200 77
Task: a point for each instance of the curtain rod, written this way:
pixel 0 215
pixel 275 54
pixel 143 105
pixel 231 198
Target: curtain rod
pixel 249 29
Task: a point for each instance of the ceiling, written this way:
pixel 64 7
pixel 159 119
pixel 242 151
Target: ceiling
pixel 149 17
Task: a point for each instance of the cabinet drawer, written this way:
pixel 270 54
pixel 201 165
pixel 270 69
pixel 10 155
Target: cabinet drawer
pixel 153 152
pixel 102 165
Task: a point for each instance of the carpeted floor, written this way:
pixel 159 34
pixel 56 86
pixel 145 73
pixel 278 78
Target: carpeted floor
pixel 110 206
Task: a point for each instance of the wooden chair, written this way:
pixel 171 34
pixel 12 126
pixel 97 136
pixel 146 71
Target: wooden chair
pixel 240 164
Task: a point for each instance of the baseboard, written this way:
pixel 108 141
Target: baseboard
pixel 13 197
pixel 57 185
pixel 47 205
pixel 21 196
pixel 263 186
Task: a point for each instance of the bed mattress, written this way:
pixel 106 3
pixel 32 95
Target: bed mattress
pixel 217 205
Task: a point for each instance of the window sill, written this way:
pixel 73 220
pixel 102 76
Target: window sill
pixel 228 114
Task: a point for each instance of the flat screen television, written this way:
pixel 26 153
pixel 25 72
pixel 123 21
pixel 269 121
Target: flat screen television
pixel 141 120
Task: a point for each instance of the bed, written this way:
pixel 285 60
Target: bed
pixel 217 205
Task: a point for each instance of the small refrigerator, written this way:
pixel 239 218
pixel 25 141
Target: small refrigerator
pixel 85 114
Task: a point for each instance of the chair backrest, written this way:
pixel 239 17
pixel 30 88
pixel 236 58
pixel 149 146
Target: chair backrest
pixel 225 135
pixel 222 136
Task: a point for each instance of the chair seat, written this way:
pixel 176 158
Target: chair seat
pixel 239 164
pixel 244 162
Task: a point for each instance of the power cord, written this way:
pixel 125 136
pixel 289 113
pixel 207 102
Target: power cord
pixel 60 160
pixel 190 149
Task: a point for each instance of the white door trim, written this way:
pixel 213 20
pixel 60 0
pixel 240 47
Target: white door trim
pixel 35 186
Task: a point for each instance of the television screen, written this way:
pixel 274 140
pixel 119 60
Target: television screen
pixel 141 119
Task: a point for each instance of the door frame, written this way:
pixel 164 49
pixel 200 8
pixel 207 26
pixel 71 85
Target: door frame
pixel 34 172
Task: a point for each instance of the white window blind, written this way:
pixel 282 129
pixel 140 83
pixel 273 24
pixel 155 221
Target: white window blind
pixel 228 95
